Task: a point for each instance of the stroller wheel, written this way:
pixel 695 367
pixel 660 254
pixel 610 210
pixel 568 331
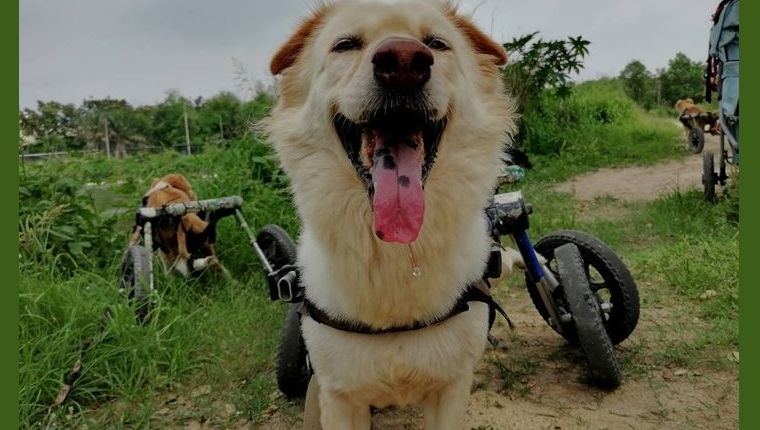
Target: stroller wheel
pixel 609 279
pixel 587 317
pixel 696 140
pixel 135 279
pixel 709 177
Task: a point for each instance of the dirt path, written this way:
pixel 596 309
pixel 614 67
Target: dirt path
pixel 642 183
pixel 535 381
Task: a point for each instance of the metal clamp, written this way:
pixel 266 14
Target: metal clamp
pixel 284 284
pixel 507 214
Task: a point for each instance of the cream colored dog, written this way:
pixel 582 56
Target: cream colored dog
pixel 391 122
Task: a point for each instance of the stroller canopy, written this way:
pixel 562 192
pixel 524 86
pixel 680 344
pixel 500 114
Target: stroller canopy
pixel 724 56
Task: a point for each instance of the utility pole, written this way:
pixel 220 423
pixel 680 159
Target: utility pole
pixel 659 90
pixel 108 143
pixel 187 132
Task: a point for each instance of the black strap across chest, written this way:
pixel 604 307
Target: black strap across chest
pixel 476 292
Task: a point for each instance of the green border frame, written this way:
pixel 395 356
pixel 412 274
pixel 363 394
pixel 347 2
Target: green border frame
pixel 749 269
pixel 9 311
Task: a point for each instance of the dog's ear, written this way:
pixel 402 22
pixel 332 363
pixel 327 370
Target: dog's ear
pixel 288 53
pixel 479 40
pixel 178 181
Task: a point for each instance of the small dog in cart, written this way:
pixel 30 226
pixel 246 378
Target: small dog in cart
pixel 186 243
pixel 701 117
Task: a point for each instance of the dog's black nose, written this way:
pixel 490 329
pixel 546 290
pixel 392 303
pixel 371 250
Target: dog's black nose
pixel 402 62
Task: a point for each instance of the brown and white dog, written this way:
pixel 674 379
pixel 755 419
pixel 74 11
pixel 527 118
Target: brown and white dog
pixel 391 122
pixel 180 240
pixel 687 107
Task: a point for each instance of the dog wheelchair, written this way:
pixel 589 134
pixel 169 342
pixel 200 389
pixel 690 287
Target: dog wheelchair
pixel 698 124
pixel 577 283
pixel 272 245
pixel 722 76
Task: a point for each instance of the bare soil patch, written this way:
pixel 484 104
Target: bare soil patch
pixel 544 386
pixel 642 183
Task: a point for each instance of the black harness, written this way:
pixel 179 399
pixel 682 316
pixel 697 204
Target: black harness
pixel 478 291
pixel 475 292
pixel 503 217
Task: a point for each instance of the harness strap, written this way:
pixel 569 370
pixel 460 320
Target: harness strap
pixel 160 185
pixel 478 291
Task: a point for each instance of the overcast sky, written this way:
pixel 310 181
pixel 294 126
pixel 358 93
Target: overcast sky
pixel 137 50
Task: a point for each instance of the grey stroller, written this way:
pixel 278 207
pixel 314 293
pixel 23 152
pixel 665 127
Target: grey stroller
pixel 722 77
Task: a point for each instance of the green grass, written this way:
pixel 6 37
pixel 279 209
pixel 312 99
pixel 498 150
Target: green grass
pixel 205 331
pixel 212 343
pixel 594 127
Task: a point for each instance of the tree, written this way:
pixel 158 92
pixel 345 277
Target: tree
pixel 167 120
pixel 115 120
pixel 639 84
pixel 537 65
pixel 221 117
pixel 682 79
pixel 53 125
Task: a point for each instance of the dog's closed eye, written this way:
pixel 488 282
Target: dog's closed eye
pixel 436 43
pixel 350 43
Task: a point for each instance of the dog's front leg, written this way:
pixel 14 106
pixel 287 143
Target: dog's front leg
pixel 311 413
pixel 338 412
pixel 446 410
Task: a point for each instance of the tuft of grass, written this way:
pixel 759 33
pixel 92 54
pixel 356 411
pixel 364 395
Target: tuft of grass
pixel 515 372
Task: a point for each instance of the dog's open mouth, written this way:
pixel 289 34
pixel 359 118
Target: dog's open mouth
pixel 393 157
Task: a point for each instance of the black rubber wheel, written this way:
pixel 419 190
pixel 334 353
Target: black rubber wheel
pixel 134 279
pixel 696 140
pixel 709 178
pixel 587 317
pixel 609 277
pixel 277 245
pixel 293 368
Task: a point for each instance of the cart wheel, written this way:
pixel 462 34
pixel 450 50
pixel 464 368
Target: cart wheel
pixel 709 178
pixel 610 280
pixel 696 140
pixel 293 367
pixel 134 279
pixel 277 245
pixel 587 317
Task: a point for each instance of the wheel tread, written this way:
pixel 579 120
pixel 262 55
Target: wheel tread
pixel 587 319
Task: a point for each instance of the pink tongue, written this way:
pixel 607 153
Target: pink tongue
pixel 399 202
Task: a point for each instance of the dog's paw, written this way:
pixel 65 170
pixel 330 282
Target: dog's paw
pixel 202 263
pixel 181 267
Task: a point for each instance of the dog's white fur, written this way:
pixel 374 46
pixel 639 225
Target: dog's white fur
pixel 347 271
